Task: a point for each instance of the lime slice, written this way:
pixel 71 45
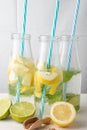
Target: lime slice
pixel 21 111
pixel 75 100
pixel 4 108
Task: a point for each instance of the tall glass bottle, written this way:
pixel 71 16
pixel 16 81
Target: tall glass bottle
pixel 49 78
pixel 72 76
pixel 23 67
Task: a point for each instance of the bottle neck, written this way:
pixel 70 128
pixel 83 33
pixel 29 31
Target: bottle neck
pixel 45 45
pixel 65 52
pixel 17 41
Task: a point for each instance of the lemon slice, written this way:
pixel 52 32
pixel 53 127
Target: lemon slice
pixel 21 111
pixel 63 114
pixel 47 78
pixel 24 89
pixel 12 77
pixel 48 75
pixel 27 79
pixel 53 79
pixel 57 82
pixel 38 91
pixel 26 62
pixel 4 108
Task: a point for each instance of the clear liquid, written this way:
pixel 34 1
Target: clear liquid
pixel 23 68
pixel 72 96
pixel 74 85
pixel 46 109
pixel 74 88
pixel 22 99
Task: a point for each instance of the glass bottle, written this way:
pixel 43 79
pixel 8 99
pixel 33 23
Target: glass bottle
pixel 72 76
pixel 48 78
pixel 23 67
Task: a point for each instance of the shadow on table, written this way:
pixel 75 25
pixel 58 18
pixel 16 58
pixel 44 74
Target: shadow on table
pixel 81 120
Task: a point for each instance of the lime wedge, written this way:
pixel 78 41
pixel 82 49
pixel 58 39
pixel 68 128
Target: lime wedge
pixel 5 104
pixel 21 111
pixel 75 100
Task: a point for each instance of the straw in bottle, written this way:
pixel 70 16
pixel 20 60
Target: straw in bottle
pixel 71 44
pixel 22 48
pixel 50 55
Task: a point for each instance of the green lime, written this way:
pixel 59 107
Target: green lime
pixel 75 100
pixel 21 111
pixel 5 104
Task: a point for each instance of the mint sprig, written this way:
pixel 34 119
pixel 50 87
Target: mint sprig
pixel 68 74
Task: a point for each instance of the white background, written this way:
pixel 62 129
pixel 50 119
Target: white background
pixel 39 22
pixel 8 15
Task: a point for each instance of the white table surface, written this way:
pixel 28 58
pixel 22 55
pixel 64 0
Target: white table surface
pixel 80 123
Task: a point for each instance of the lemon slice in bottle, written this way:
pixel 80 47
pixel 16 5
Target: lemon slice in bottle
pixel 47 78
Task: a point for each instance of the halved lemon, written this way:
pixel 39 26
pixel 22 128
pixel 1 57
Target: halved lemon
pixel 63 114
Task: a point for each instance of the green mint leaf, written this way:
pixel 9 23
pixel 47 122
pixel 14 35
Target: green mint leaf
pixel 29 92
pixel 56 97
pixel 67 75
pixel 12 91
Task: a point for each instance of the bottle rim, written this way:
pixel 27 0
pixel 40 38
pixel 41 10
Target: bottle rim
pixel 47 38
pixel 67 37
pixel 19 36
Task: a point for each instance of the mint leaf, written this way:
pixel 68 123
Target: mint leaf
pixel 12 91
pixel 67 75
pixel 56 97
pixel 29 92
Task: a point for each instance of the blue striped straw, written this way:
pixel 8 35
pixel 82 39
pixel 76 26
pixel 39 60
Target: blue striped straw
pixel 50 55
pixel 22 48
pixel 42 101
pixel 24 26
pixel 53 31
pixel 71 42
pixel 18 90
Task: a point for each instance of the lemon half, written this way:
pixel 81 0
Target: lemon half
pixel 63 114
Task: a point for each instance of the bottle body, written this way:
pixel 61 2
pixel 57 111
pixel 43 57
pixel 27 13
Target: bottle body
pixel 21 67
pixel 72 76
pixel 49 78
